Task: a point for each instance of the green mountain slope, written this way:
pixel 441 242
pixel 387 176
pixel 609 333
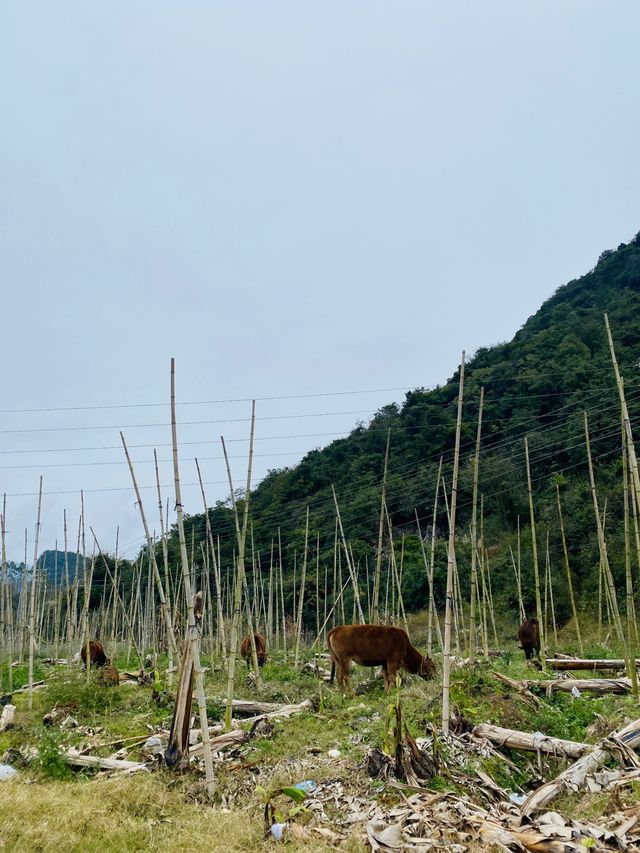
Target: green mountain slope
pixel 537 384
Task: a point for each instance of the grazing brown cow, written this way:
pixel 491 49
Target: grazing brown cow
pixel 529 636
pixel 261 649
pixel 375 645
pixel 97 656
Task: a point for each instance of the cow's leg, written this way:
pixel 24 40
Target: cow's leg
pixel 346 677
pixel 392 670
pixel 385 675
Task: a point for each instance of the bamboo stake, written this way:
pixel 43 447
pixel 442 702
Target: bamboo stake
pixel 192 627
pixel 518 586
pixel 6 600
pixel 352 574
pixel 474 535
pixel 534 551
pixel 631 670
pixel 241 534
pixel 450 560
pixel 284 618
pixel 317 582
pixel 269 629
pixel 216 571
pixel 567 569
pixel 32 638
pixel 375 607
pixel 550 585
pixel 302 585
pixel 632 629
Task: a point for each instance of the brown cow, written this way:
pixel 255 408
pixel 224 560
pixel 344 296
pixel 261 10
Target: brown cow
pixel 261 649
pixel 375 645
pixel 97 656
pixel 529 636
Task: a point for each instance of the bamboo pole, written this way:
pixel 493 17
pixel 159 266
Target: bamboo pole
pixel 474 535
pixel 550 585
pixel 446 670
pixel 302 586
pixel 216 572
pixel 632 628
pixel 284 617
pixel 567 569
pixel 5 634
pixel 433 613
pixel 518 586
pixel 394 568
pixel 192 629
pixel 352 573
pixel 534 552
pixel 241 535
pixel 631 670
pixel 375 607
pixel 32 638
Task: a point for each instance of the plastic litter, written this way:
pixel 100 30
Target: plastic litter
pixel 308 786
pixel 7 772
pixel 518 799
pixel 334 753
pixel 277 830
pixel 575 693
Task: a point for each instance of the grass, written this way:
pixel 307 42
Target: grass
pixel 51 807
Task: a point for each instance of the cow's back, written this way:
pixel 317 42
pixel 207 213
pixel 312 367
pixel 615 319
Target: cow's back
pixel 369 645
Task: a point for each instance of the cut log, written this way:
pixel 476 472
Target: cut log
pixel 77 760
pixel 573 778
pixel 6 720
pixel 580 663
pixel 584 685
pixel 531 741
pixel 233 738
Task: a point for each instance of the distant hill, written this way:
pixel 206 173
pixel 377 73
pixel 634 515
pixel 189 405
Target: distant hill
pixel 537 384
pixel 48 561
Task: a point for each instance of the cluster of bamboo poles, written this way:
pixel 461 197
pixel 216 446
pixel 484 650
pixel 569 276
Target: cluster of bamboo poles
pixel 152 611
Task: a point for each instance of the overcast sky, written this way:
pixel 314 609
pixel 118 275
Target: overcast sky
pixel 291 199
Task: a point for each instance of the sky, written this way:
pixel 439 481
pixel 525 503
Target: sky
pixel 298 202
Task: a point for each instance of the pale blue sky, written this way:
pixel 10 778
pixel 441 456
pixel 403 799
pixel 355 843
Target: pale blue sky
pixel 290 198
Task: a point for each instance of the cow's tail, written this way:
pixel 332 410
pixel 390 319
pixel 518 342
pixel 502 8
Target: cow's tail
pixel 333 671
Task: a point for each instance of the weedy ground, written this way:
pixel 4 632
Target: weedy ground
pixel 51 807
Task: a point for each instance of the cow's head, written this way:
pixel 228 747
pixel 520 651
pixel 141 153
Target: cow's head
pixel 427 668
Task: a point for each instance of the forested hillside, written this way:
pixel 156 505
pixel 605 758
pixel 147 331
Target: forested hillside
pixel 537 385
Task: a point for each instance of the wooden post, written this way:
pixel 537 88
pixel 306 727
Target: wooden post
pixel 534 552
pixel 446 670
pixel 375 607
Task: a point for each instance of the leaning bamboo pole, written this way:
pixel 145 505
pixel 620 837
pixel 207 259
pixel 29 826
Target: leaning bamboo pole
pixel 631 670
pixel 375 607
pixel 303 579
pixel 474 534
pixel 241 535
pixel 5 634
pixel 32 604
pixel 567 569
pixel 632 628
pixel 446 669
pixel 534 553
pixel 216 571
pixel 352 573
pixel 166 613
pixel 433 613
pixel 394 568
pixel 192 627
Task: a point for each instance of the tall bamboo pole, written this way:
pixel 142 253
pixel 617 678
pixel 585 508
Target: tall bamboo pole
pixel 302 587
pixel 632 629
pixel 192 629
pixel 534 552
pixel 474 535
pixel 352 573
pixel 32 637
pixel 567 569
pixel 446 670
pixel 375 607
pixel 241 535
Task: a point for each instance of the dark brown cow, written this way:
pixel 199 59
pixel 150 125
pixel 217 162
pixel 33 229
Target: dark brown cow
pixel 261 649
pixel 96 654
pixel 375 645
pixel 529 636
